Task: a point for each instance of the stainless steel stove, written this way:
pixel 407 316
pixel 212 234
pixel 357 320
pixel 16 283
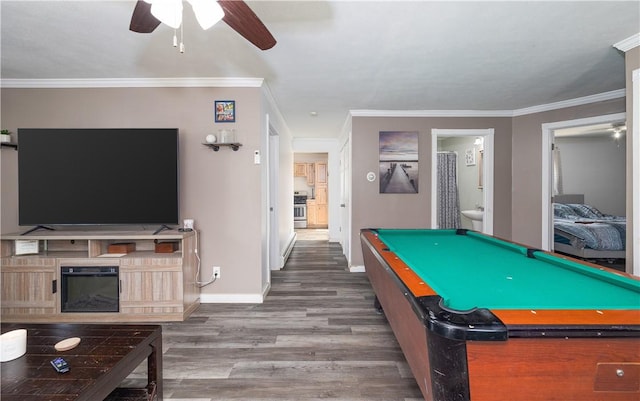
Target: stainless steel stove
pixel 300 209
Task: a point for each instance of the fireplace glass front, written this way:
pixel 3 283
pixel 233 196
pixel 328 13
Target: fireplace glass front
pixel 90 289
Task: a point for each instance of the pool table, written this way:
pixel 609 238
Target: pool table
pixel 479 318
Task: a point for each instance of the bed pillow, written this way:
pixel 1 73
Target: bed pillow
pixel 586 211
pixel 562 211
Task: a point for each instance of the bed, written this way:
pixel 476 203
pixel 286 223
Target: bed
pixel 582 231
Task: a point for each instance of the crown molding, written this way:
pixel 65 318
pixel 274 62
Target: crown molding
pixel 629 43
pixel 259 82
pixel 600 97
pixel 133 83
pixel 431 113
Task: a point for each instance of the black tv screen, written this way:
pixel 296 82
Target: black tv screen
pixel 98 176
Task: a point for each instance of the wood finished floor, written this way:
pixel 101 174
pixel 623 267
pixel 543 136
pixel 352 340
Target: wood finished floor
pixel 315 337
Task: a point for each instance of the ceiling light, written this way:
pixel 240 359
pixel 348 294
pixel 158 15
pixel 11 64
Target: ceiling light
pixel 616 133
pixel 208 12
pixel 169 12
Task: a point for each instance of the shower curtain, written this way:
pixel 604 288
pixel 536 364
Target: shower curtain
pixel 448 202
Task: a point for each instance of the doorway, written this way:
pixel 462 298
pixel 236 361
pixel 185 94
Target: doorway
pixel 548 131
pixel 311 193
pixel 575 191
pixel 474 149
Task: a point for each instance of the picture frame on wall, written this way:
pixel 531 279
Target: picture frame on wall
pixel 225 111
pixel 398 162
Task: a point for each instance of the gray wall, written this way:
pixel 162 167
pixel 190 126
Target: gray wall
pixel 220 190
pixel 527 165
pixel 595 167
pixel 372 209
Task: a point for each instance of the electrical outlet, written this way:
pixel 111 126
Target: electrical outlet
pixel 216 271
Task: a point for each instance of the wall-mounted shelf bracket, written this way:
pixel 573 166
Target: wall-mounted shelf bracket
pixel 9 145
pixel 216 146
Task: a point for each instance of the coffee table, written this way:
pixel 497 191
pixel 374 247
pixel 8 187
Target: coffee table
pixel 106 355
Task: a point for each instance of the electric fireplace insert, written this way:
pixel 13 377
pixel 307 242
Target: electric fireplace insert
pixel 90 289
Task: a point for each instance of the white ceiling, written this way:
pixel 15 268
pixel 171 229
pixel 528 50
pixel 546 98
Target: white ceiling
pixel 336 56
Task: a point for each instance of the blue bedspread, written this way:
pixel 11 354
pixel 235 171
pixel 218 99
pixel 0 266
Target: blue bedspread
pixel 589 228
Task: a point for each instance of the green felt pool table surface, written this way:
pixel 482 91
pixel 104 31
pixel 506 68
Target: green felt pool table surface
pixel 476 270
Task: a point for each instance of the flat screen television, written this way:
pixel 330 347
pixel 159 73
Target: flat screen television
pixel 98 176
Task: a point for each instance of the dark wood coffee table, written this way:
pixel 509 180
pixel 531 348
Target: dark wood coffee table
pixel 106 355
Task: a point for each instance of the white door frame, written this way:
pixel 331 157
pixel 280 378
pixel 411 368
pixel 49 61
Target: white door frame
pixel 635 172
pixel 547 167
pixel 275 257
pixel 487 172
pixel 345 200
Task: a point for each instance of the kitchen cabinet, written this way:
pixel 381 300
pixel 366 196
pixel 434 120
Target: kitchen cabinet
pixel 300 169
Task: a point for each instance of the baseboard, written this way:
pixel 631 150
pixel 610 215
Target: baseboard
pixel 231 298
pixel 289 248
pixel 357 269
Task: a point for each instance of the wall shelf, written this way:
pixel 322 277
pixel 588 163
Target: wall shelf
pixel 9 145
pixel 216 146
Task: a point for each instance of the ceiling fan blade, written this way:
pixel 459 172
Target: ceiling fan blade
pixel 142 21
pixel 243 20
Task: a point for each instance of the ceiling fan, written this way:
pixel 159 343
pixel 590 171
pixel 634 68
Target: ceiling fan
pixel 237 15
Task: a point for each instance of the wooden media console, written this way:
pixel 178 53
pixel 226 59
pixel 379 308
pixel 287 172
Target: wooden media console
pixel 147 286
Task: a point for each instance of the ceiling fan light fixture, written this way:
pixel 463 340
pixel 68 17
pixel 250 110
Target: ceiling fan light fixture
pixel 169 12
pixel 208 12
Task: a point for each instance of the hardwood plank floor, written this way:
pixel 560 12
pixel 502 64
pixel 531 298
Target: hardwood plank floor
pixel 316 336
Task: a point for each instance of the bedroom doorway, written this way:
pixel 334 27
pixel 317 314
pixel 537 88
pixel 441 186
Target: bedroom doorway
pixel 598 184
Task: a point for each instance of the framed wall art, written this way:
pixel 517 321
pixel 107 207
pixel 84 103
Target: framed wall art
pixel 398 161
pixel 225 111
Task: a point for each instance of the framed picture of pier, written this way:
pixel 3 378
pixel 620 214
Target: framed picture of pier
pixel 398 162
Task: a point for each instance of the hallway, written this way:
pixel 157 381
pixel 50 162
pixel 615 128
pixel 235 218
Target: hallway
pixel 316 336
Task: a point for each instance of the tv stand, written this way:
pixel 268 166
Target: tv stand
pixel 38 227
pixel 153 286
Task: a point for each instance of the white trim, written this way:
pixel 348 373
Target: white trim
pixel 431 113
pixel 600 97
pixel 357 269
pixel 133 83
pixel 288 249
pixel 259 82
pixel 487 173
pixel 629 43
pixel 635 171
pixel 547 169
pixel 231 298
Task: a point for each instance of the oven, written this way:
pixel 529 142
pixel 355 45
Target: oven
pixel 299 209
